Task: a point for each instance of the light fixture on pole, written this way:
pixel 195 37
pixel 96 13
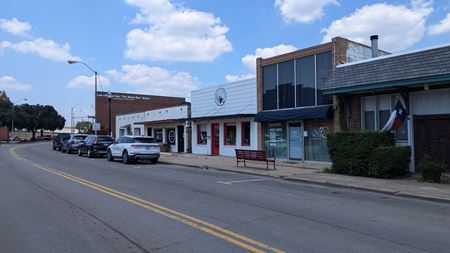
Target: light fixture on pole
pixel 109 112
pixel 95 81
pixel 12 114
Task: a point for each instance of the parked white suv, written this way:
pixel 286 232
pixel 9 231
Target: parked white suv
pixel 132 148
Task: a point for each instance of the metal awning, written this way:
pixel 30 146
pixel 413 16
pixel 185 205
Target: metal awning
pixel 315 112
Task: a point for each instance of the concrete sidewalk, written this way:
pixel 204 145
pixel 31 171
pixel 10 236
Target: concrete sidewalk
pixel 312 173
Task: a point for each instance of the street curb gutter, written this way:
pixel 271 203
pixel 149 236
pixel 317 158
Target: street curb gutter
pixel 308 181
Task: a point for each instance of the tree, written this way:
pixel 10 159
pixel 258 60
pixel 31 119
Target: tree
pixel 5 112
pixel 84 127
pixel 35 117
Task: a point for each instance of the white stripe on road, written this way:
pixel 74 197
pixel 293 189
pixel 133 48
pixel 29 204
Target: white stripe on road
pixel 242 181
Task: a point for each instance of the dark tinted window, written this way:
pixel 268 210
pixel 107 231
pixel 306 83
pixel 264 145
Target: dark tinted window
pixel 144 140
pixel 269 80
pixel 323 71
pixel 105 138
pixel 305 81
pixel 286 90
pixel 120 140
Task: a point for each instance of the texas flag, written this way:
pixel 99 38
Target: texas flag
pixel 396 119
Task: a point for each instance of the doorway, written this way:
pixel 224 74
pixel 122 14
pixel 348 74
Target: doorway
pixel 296 150
pixel 180 139
pixel 215 139
pixel 432 137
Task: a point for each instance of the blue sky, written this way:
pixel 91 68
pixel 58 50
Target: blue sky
pixel 167 47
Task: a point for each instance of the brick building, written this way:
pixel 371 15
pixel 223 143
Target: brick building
pixel 294 112
pixel 123 103
pixel 369 90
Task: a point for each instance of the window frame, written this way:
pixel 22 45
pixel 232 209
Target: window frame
pixel 199 140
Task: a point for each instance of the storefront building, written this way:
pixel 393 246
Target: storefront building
pixel 223 118
pixel 293 110
pixel 367 92
pixel 169 125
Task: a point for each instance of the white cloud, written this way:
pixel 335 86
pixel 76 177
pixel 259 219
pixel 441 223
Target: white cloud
pixel 9 82
pixel 249 60
pixel 302 11
pixel 45 48
pixel 88 82
pixel 155 80
pixel 399 26
pixel 235 78
pixel 15 26
pixel 442 27
pixel 175 33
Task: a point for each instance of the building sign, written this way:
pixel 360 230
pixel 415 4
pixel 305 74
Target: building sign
pixel 220 97
pixel 171 136
pixel 158 135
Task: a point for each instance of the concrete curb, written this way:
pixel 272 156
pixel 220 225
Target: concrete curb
pixel 308 181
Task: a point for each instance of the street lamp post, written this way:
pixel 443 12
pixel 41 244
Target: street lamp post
pixel 12 114
pixel 95 81
pixel 71 118
pixel 109 112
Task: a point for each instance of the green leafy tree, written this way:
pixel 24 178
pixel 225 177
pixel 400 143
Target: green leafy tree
pixel 84 127
pixel 5 113
pixel 35 117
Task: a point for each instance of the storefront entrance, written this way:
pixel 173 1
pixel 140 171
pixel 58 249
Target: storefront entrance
pixel 215 139
pixel 296 150
pixel 432 137
pixel 180 139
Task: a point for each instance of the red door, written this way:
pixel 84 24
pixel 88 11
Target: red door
pixel 215 139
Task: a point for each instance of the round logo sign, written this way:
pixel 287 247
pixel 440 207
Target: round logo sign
pixel 220 97
pixel 171 137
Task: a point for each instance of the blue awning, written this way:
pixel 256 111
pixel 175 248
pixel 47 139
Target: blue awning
pixel 315 112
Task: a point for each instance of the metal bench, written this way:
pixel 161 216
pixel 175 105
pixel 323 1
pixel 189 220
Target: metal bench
pixel 254 155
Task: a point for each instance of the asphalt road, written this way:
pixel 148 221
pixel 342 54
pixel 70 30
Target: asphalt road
pixel 54 202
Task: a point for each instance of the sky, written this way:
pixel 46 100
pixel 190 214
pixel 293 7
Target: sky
pixel 171 47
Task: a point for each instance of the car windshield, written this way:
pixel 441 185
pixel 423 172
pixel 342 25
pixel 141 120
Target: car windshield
pixel 79 137
pixel 144 140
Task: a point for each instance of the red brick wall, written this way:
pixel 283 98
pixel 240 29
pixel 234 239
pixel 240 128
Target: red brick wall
pixel 3 133
pixel 122 103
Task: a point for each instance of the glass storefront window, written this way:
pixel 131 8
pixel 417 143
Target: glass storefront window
pixel 202 134
pixel 230 134
pixel 245 132
pixel 286 90
pixel 316 148
pixel 275 141
pixel 306 89
pixel 323 71
pixel 269 80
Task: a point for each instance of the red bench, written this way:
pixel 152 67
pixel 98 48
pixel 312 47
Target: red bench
pixel 254 155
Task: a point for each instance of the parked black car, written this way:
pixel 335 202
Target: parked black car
pixel 72 143
pixel 95 145
pixel 59 139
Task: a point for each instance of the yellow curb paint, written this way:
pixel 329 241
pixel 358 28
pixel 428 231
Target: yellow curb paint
pixel 239 240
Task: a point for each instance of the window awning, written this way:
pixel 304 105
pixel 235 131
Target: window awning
pixel 316 112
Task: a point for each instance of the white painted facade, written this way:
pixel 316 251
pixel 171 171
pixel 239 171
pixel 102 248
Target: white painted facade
pixel 164 120
pixel 240 100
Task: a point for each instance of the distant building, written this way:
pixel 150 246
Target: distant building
pixel 3 96
pixel 169 125
pixel 123 103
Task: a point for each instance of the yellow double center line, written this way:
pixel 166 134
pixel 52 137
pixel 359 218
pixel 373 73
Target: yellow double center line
pixel 222 233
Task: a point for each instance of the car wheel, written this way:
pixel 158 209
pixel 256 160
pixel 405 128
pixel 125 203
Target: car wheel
pixel 154 160
pixel 79 152
pixel 89 153
pixel 109 156
pixel 62 149
pixel 54 148
pixel 125 158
